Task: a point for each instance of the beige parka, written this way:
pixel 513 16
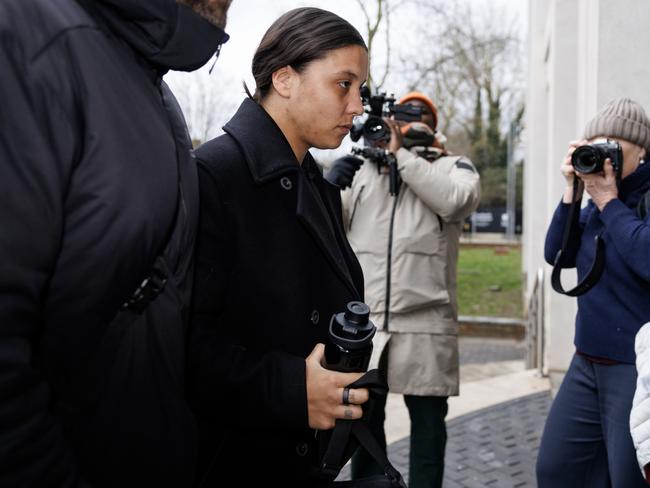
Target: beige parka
pixel 421 325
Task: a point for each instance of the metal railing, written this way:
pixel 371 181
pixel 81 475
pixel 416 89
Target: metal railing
pixel 535 325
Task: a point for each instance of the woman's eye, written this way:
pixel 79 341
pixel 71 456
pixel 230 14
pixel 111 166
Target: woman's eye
pixel 345 84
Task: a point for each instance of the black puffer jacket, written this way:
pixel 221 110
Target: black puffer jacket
pixel 92 149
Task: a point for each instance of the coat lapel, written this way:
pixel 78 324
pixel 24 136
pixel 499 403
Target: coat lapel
pixel 269 156
pixel 322 228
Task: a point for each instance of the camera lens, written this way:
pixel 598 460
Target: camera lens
pixel 588 159
pixel 375 129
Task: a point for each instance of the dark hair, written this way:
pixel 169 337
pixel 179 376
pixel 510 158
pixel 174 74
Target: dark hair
pixel 297 38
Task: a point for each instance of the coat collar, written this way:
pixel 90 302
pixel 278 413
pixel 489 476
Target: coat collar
pixel 269 156
pixel 266 150
pixel 632 188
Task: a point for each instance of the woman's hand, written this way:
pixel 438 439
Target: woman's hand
pixel 569 173
pixel 601 186
pixel 325 393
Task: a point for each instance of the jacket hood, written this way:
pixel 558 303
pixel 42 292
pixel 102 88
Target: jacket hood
pixel 164 33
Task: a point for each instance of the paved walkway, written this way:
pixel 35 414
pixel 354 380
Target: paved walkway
pixel 494 426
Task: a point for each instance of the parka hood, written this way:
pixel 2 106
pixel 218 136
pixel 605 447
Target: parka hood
pixel 164 33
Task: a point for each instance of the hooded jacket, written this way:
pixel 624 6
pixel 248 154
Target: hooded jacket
pixel 408 249
pixel 97 182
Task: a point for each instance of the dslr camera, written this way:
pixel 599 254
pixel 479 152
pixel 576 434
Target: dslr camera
pixel 590 158
pixel 374 129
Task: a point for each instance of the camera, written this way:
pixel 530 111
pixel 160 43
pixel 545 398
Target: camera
pixel 350 339
pixel 382 157
pixel 374 129
pixel 590 158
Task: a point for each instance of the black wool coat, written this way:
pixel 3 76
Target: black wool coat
pixel 273 266
pixel 94 163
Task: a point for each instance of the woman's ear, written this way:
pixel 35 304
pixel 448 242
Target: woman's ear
pixel 283 80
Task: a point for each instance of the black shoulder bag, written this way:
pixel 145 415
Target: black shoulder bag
pixel 344 438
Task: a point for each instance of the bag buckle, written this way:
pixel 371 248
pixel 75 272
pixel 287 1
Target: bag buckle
pixel 394 477
pixel 149 289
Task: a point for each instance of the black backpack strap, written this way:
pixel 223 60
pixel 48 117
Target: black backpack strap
pixel 154 283
pixel 597 266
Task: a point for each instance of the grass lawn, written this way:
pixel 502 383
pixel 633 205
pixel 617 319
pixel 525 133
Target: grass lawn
pixel 489 282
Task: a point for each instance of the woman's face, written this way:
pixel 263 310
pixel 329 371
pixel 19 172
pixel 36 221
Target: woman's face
pixel 325 98
pixel 632 154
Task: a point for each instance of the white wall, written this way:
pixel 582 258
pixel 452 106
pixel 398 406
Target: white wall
pixel 582 53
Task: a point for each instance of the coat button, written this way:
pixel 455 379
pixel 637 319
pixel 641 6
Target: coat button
pixel 302 449
pixel 315 317
pixel 285 182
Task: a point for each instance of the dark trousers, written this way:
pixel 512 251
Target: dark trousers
pixel 586 440
pixel 428 440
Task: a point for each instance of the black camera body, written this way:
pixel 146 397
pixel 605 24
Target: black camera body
pixel 374 129
pixel 350 339
pixel 590 158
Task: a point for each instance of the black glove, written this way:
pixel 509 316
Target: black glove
pixel 342 172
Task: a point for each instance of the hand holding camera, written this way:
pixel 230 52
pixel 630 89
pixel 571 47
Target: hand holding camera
pixel 396 137
pixel 601 186
pixel 569 173
pixel 598 165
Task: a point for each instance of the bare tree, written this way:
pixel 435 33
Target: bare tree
pixel 460 54
pixel 471 65
pixel 205 105
pixel 377 14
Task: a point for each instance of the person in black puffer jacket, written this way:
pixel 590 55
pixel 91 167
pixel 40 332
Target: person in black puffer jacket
pixel 98 193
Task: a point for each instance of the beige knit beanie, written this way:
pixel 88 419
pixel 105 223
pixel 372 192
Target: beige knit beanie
pixel 623 118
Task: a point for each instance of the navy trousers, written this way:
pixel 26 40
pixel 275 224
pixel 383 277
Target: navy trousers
pixel 586 440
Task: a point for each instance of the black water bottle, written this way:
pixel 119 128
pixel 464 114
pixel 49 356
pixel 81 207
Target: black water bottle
pixel 350 339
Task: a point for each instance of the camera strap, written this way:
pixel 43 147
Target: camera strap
pixel 597 266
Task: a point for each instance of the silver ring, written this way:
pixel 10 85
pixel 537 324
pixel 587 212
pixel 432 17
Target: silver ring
pixel 346 395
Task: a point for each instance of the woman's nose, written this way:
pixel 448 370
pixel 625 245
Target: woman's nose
pixel 356 105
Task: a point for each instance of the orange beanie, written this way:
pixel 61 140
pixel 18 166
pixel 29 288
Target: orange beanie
pixel 424 99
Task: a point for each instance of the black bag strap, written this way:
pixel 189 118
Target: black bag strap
pixel 597 266
pixel 154 283
pixel 333 459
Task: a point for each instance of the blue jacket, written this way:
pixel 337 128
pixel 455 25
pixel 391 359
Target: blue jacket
pixel 610 314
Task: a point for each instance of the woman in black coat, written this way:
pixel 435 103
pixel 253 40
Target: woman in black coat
pixel 274 264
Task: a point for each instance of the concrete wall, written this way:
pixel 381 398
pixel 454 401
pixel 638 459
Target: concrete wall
pixel 582 53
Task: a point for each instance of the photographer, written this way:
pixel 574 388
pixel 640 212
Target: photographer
pixel 407 245
pixel 586 441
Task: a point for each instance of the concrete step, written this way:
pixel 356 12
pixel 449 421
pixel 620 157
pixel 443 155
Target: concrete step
pixel 500 327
